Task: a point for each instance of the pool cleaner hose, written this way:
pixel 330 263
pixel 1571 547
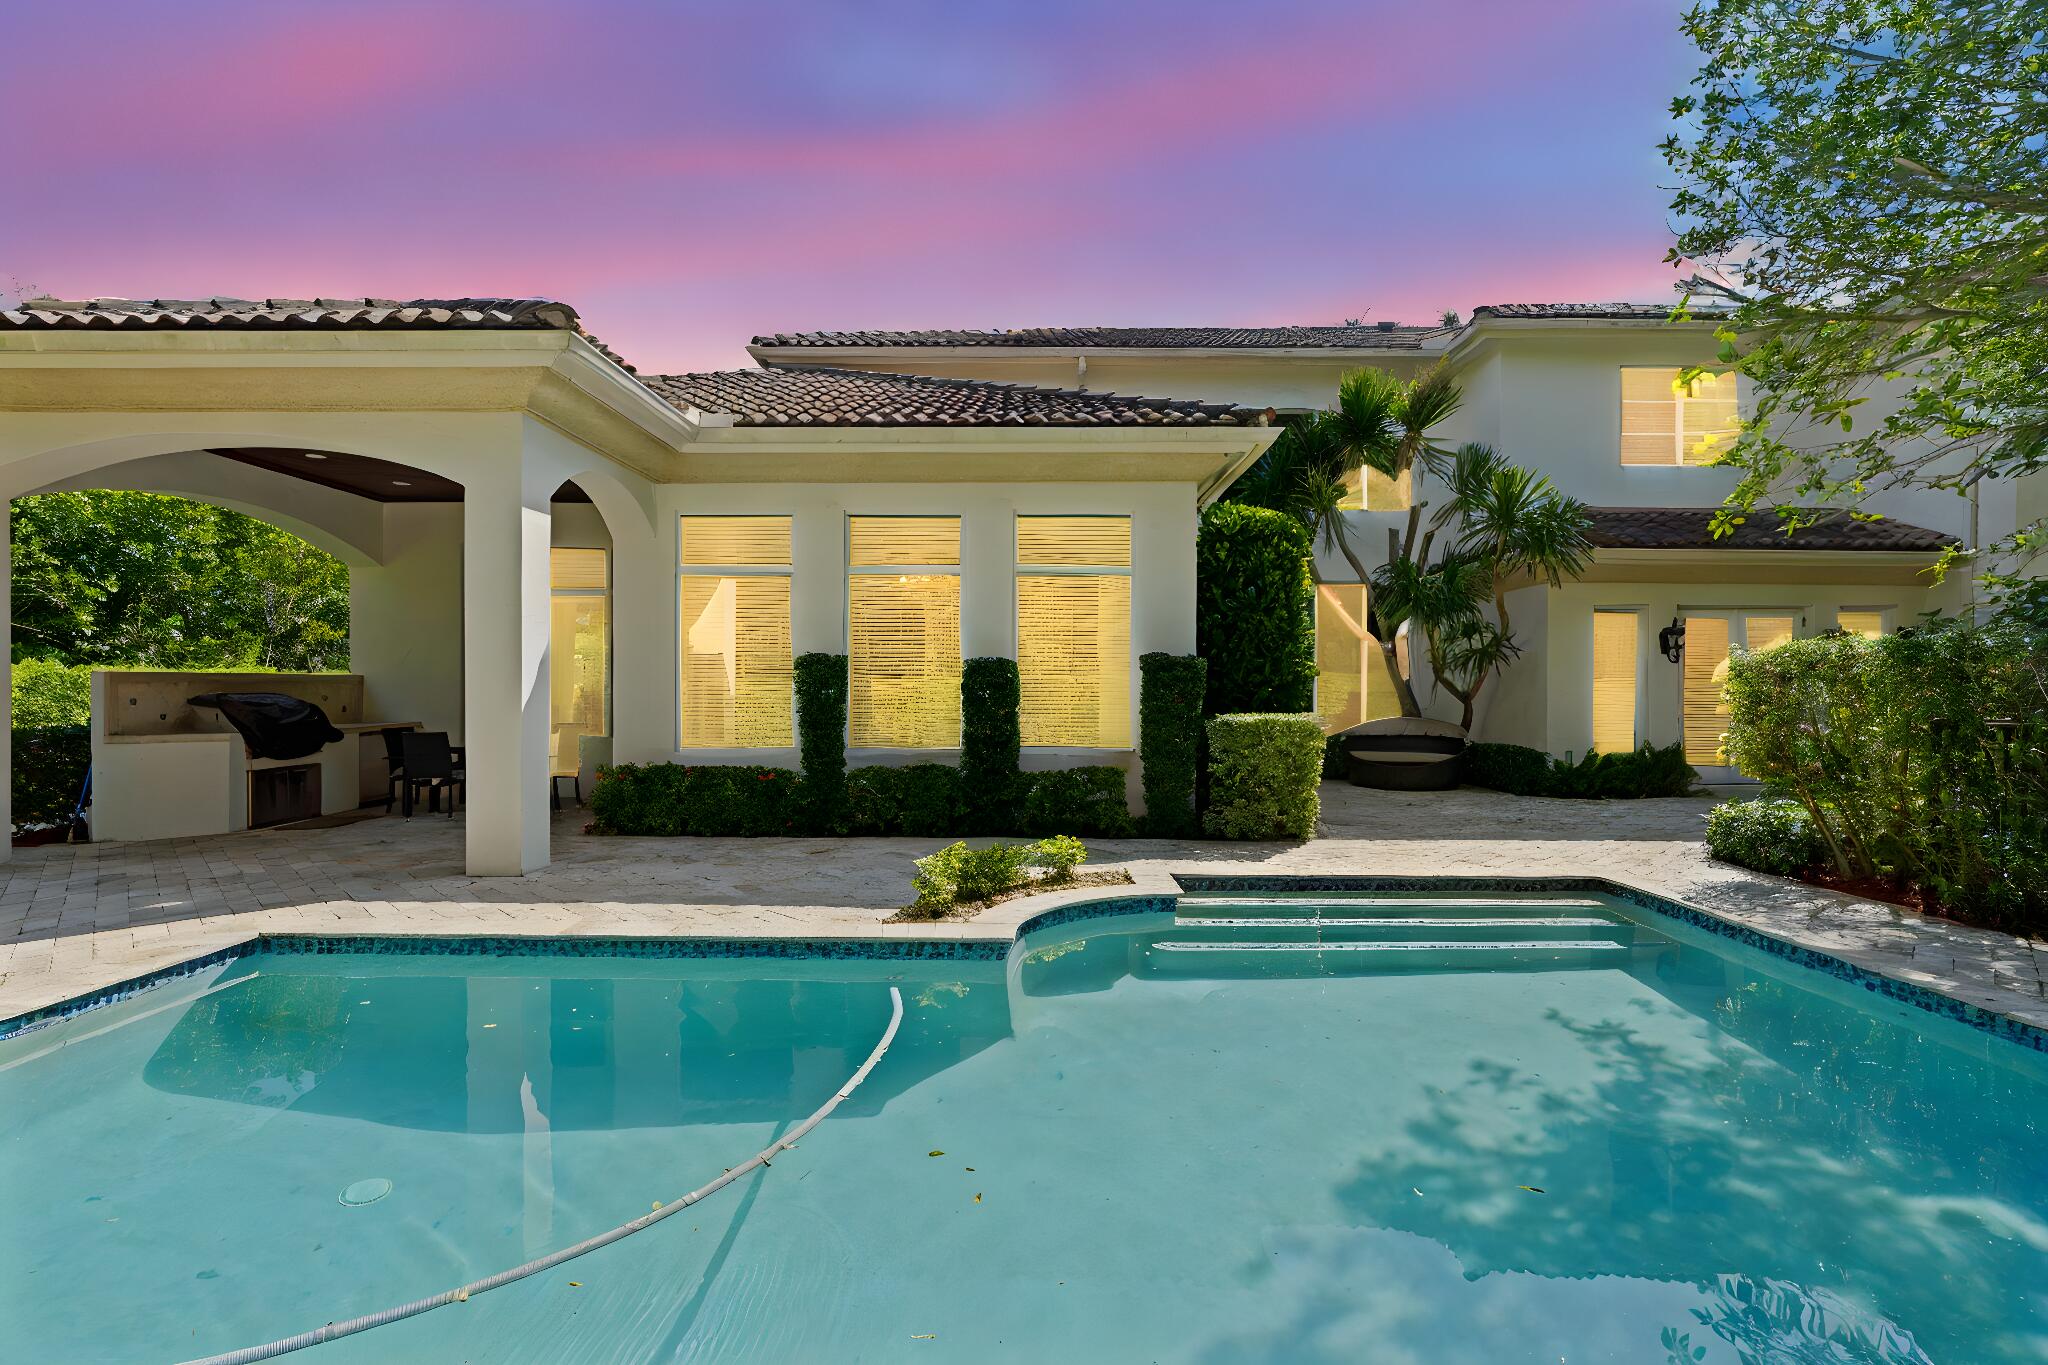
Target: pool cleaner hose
pixel 335 1330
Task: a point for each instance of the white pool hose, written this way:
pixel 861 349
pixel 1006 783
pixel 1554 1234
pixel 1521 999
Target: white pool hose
pixel 335 1330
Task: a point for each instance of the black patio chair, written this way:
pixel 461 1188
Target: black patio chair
pixel 394 758
pixel 430 767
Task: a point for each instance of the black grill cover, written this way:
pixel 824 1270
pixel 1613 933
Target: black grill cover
pixel 272 724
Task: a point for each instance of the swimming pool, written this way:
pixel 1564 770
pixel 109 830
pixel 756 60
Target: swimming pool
pixel 1278 1126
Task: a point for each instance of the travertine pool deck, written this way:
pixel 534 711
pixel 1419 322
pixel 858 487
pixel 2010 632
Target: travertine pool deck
pixel 75 919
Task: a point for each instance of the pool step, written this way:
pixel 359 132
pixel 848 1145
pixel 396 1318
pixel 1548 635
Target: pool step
pixel 1281 958
pixel 1403 929
pixel 1194 908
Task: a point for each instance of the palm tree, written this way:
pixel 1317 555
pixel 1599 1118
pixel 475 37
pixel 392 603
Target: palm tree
pixel 1502 523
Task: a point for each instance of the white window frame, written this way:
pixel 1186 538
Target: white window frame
pixel 1642 671
pixel 899 570
pixel 729 571
pixel 1678 442
pixel 1019 569
pixel 610 625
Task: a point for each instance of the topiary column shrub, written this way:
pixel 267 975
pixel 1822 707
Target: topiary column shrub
pixel 821 740
pixel 1263 776
pixel 1170 692
pixel 1255 610
pixel 991 743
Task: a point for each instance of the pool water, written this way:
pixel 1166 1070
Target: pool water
pixel 1307 1128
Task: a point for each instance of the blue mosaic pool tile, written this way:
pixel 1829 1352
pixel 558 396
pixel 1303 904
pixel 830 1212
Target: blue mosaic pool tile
pixel 423 945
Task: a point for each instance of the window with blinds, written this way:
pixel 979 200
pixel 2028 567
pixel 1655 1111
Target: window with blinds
pixel 732 603
pixel 579 642
pixel 1352 683
pixel 1664 422
pixel 1868 624
pixel 1615 673
pixel 1074 631
pixel 903 632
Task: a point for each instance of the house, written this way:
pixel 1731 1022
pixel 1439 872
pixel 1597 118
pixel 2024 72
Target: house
pixel 1585 394
pixel 543 542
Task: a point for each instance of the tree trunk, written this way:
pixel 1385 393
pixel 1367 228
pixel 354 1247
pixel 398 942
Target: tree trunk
pixel 1404 692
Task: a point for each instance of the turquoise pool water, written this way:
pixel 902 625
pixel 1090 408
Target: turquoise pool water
pixel 1270 1130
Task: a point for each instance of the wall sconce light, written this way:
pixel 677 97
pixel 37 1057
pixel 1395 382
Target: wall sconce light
pixel 1671 640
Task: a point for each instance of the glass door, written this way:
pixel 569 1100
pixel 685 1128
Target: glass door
pixel 1710 636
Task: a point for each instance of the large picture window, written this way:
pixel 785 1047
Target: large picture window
pixel 903 632
pixel 1666 422
pixel 1074 631
pixel 732 596
pixel 579 642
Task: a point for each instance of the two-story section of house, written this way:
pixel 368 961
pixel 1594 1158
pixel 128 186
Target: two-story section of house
pixel 1634 649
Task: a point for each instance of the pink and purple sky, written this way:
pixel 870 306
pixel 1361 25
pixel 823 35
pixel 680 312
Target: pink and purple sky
pixel 688 175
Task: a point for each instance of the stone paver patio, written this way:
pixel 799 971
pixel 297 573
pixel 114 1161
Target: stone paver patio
pixel 74 919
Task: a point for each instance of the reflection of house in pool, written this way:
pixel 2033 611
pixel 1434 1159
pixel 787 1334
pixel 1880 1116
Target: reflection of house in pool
pixel 622 1045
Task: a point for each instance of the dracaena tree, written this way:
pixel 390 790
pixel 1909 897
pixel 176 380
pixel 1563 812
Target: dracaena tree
pixel 1495 525
pixel 1862 184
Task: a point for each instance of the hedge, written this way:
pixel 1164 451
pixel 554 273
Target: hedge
pixel 991 741
pixel 1919 756
pixel 1263 776
pixel 821 688
pixel 1170 693
pixel 49 768
pixel 50 696
pixel 1255 611
pixel 1775 836
pixel 922 799
pixel 1088 801
pixel 674 799
pixel 1630 774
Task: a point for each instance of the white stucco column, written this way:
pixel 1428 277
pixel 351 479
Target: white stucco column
pixel 643 638
pixel 505 540
pixel 988 583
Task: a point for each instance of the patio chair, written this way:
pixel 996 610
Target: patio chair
pixel 430 767
pixel 394 759
pixel 565 759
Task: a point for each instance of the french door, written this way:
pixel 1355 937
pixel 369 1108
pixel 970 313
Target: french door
pixel 1709 638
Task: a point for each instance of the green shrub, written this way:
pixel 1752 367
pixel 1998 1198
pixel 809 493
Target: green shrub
pixel 49 768
pixel 1629 775
pixel 1923 756
pixel 922 800
pixel 49 695
pixel 1088 800
pixel 1170 693
pixel 1058 856
pixel 1775 836
pixel 1255 611
pixel 672 799
pixel 991 694
pixel 1510 768
pixel 1263 775
pixel 821 739
pixel 958 874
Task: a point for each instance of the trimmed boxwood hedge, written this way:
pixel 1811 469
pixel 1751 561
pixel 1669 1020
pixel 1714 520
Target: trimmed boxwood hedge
pixel 1264 773
pixel 674 799
pixel 1170 691
pixel 821 688
pixel 1084 801
pixel 991 743
pixel 922 799
pixel 1255 611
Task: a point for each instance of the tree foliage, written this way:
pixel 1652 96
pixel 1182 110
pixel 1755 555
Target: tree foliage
pixel 138 579
pixel 1495 524
pixel 1864 184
